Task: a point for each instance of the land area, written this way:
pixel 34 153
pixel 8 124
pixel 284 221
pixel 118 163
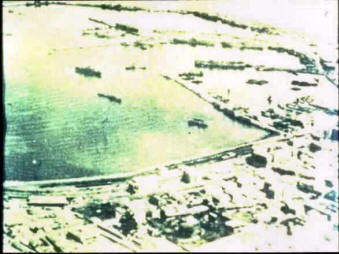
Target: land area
pixel 180 127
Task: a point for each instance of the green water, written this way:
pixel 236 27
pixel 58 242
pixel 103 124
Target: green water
pixel 59 128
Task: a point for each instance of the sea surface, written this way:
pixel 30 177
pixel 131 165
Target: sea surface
pixel 57 125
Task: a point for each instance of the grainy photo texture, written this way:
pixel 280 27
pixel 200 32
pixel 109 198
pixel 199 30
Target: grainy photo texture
pixel 181 126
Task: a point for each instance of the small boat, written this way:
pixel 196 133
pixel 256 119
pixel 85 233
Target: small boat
pixel 198 123
pixel 110 98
